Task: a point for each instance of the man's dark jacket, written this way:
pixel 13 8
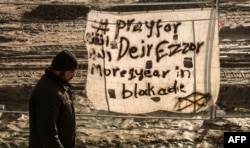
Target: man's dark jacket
pixel 52 115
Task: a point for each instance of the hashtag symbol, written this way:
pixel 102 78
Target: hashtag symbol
pixel 103 27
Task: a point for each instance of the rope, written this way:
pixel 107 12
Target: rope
pixel 109 4
pixel 196 117
pixel 117 116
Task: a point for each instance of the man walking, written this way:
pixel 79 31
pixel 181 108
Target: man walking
pixel 51 109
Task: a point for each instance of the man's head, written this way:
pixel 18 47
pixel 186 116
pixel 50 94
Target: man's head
pixel 64 64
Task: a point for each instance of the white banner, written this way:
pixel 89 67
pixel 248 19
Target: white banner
pixel 141 62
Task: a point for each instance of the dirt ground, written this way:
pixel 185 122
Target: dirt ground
pixel 29 38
